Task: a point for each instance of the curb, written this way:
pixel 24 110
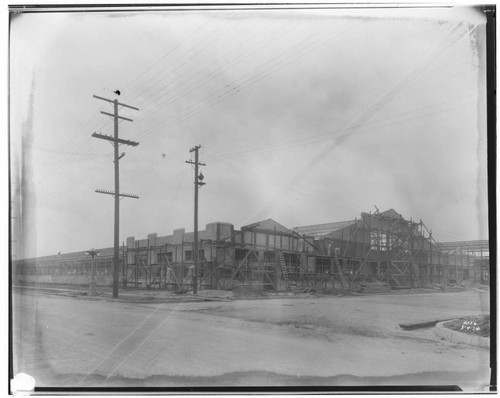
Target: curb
pixel 459 337
pixel 422 324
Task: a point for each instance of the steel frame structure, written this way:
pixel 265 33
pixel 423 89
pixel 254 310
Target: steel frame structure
pixel 379 248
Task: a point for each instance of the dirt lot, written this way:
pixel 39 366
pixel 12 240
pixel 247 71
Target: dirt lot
pixel 356 340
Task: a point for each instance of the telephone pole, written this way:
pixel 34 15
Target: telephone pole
pixel 116 142
pixel 198 181
pixel 92 285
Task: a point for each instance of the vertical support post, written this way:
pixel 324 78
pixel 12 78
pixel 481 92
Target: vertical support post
pixel 342 241
pixel 165 270
pixel 195 243
pixel 136 267
pixel 212 265
pixel 92 278
pixel 433 269
pixel 198 178
pixel 116 259
pixel 481 268
pixel 92 285
pixel 125 261
pixel 462 265
pixel 446 270
pixel 441 267
pixel 116 140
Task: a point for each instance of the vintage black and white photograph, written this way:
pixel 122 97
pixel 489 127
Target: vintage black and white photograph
pixel 240 196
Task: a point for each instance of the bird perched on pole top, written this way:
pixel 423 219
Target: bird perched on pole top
pixel 117 92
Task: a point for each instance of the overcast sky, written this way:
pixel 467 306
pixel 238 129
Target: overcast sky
pixel 304 116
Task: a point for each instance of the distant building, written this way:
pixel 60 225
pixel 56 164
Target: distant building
pixel 380 247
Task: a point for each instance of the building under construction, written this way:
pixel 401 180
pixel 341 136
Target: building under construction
pixel 379 248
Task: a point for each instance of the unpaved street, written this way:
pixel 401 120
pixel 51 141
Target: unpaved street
pixel 71 342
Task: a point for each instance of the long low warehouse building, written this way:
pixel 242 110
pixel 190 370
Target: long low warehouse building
pixel 379 248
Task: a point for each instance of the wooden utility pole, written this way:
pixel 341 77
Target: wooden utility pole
pixel 92 284
pixel 116 142
pixel 198 181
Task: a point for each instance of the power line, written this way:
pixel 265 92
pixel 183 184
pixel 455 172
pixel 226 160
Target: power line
pixel 165 71
pixel 195 85
pixel 285 182
pixel 162 58
pixel 342 132
pixel 242 82
pixel 75 142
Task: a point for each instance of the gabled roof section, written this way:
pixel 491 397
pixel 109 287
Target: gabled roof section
pixel 323 229
pixel 268 225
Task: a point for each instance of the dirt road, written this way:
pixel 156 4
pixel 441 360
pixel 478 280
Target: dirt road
pixel 72 342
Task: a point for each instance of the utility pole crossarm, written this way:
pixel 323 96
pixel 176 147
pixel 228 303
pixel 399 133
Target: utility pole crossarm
pixel 195 148
pixel 111 138
pixel 126 195
pixel 199 163
pixel 119 117
pixel 119 103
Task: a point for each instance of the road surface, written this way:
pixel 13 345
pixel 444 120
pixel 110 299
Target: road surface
pixel 355 340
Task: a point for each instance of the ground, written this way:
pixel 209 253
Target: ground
pixel 478 325
pixel 283 341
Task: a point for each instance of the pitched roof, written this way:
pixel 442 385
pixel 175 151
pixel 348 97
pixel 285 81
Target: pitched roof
pixel 323 229
pixel 268 225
